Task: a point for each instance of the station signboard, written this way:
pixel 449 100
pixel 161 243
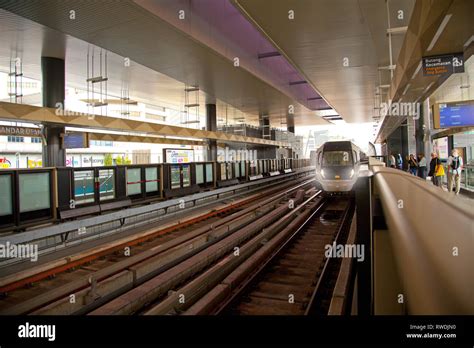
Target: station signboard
pixel 20 131
pixel 446 64
pixel 454 114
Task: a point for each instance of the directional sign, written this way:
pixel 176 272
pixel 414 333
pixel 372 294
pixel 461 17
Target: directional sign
pixel 443 65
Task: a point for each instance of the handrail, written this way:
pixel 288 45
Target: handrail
pixel 432 233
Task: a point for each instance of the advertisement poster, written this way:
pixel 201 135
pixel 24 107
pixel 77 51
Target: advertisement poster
pixel 179 155
pixel 440 146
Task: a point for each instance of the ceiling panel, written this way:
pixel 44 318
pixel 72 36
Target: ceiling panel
pixel 130 31
pixel 323 34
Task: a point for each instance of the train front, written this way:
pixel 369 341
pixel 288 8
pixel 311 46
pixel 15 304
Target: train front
pixel 337 170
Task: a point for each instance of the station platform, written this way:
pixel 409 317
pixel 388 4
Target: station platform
pixel 250 171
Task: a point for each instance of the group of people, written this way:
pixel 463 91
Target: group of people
pixel 454 168
pixel 418 166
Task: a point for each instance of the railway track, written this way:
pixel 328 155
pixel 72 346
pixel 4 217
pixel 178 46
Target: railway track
pixel 108 273
pixel 298 278
pixel 177 287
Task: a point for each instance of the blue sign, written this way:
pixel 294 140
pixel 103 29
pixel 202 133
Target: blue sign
pixel 456 114
pixel 75 141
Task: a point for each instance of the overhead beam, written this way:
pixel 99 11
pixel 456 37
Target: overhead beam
pixel 142 139
pixel 268 55
pixel 43 115
pixel 397 30
pixel 297 83
pixel 191 89
pixel 323 109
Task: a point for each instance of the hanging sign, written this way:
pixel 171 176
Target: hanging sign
pixel 443 65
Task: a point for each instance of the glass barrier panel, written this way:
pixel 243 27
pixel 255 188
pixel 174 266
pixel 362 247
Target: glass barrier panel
pixel 106 184
pixel 236 169
pixel 151 177
pixel 469 177
pixel 209 177
pixel 242 168
pixel 35 193
pixel 229 170
pixel 84 186
pixel 134 178
pixel 175 177
pixel 186 175
pixel 6 204
pixel 223 172
pixel 199 174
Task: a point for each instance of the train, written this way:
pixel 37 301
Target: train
pixel 337 166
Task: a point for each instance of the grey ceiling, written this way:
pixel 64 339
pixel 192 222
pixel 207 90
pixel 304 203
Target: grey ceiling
pixel 130 31
pixel 323 33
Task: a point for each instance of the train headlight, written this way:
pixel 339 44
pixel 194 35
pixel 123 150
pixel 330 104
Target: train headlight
pixel 322 173
pixel 352 173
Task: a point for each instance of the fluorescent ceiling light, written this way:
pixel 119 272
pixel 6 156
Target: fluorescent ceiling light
pixel 469 41
pixel 427 88
pixel 406 89
pixel 439 31
pixel 416 71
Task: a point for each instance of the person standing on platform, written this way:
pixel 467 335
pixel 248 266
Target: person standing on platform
pixel 399 162
pixel 392 162
pixel 412 165
pixel 422 166
pixel 454 171
pixel 435 164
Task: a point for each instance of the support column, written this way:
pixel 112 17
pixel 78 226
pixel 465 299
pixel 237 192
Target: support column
pixel 53 74
pixel 211 125
pixel 411 135
pixel 426 126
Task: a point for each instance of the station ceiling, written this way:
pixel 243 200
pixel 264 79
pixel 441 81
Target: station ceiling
pixel 338 47
pixel 325 34
pixel 441 27
pixel 168 57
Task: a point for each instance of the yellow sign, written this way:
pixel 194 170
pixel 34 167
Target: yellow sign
pixel 35 163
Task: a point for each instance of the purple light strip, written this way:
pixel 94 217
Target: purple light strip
pixel 221 26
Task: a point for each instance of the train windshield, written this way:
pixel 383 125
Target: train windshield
pixel 337 158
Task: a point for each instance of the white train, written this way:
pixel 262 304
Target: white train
pixel 337 165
